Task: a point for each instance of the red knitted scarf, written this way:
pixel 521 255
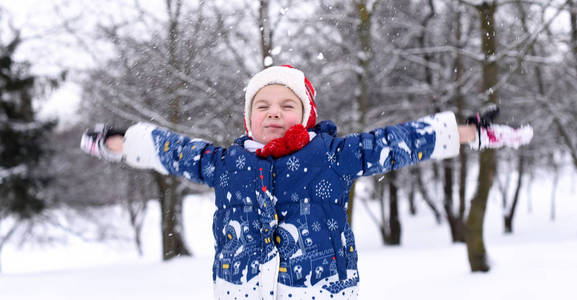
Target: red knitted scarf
pixel 294 139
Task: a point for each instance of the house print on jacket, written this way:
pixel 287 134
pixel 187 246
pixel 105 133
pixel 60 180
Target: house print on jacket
pixel 280 225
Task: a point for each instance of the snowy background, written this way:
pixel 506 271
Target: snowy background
pixel 537 262
pixel 79 252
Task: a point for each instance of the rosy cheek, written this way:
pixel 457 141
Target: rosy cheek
pixel 256 121
pixel 293 120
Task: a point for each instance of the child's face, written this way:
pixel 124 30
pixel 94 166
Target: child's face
pixel 275 108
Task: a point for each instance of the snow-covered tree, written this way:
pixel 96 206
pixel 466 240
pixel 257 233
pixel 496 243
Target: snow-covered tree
pixel 179 76
pixel 23 143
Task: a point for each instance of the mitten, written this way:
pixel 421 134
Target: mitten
pixel 485 119
pixel 494 136
pixel 93 142
pixel 482 121
pixel 497 136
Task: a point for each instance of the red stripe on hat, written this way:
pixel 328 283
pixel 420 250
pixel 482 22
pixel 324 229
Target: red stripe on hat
pixel 312 121
pixel 311 93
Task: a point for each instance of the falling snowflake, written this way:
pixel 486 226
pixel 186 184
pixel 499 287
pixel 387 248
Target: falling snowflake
pixel 331 157
pixel 332 224
pixel 324 189
pixel 240 162
pixel 293 163
pixel 238 195
pixel 208 171
pixel 224 179
pixel 256 225
pixel 294 197
pixel 358 154
pixel 316 226
pixel 340 252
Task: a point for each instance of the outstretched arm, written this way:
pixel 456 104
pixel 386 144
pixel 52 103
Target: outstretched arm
pixel 384 149
pixel 467 134
pixel 146 146
pixel 434 137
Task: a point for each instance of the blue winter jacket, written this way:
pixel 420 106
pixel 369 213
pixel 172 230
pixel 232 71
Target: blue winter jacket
pixel 280 225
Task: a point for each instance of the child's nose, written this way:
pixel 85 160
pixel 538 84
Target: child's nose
pixel 274 113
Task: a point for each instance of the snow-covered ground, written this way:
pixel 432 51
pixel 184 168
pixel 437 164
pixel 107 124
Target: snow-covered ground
pixel 539 261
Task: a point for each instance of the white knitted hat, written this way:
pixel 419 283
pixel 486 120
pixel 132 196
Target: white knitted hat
pixel 290 77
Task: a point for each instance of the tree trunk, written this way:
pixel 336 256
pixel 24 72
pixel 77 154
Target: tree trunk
pixel 447 181
pixel 529 194
pixel 427 57
pixel 265 31
pixel 170 199
pixel 554 191
pixel 136 206
pixel 390 227
pixel 363 61
pixel 171 220
pixel 394 221
pixel 412 192
pixel 474 235
pixel 511 214
pixel 573 20
pixel 564 134
pixel 463 159
pixel 455 224
pixel 504 188
pixel 425 194
pixel 458 228
pixel 379 194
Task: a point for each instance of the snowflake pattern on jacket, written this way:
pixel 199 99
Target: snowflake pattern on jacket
pixel 286 218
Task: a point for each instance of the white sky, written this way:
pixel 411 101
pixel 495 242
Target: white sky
pixel 51 48
pixel 49 52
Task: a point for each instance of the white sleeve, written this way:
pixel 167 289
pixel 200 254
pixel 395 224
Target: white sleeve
pixel 447 143
pixel 140 150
